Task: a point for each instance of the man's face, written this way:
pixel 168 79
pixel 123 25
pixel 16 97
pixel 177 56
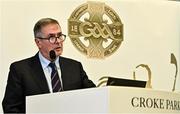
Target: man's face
pixel 45 46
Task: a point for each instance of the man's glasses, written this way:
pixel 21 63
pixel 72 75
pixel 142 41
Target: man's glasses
pixel 53 38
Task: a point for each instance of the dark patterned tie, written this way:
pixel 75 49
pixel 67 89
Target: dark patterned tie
pixel 55 81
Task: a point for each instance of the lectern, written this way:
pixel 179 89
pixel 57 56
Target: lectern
pixel 106 100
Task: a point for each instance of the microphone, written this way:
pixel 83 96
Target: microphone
pixel 173 61
pixel 52 55
pixel 148 84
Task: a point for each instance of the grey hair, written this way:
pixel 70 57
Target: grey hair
pixel 41 23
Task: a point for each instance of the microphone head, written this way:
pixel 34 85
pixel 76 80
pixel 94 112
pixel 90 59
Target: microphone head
pixel 52 55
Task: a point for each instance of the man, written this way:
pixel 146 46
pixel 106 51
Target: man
pixel 35 75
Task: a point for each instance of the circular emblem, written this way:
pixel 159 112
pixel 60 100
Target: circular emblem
pixel 95 29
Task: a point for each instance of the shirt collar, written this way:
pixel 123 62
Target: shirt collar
pixel 45 62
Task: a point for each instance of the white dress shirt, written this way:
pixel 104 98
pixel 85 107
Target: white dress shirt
pixel 47 70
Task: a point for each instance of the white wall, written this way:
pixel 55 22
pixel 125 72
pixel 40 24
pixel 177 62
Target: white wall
pixel 1 76
pixel 151 34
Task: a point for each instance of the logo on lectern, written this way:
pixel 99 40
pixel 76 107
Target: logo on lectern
pixel 95 29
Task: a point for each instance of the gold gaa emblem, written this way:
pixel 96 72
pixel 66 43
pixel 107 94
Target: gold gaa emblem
pixel 95 29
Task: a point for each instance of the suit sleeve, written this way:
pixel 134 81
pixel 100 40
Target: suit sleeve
pixel 14 100
pixel 87 83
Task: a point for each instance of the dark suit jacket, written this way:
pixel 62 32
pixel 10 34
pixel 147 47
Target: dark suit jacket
pixel 26 77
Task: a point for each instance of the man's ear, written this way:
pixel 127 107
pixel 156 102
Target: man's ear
pixel 37 42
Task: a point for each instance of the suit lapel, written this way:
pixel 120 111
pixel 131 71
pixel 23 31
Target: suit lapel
pixel 63 72
pixel 38 74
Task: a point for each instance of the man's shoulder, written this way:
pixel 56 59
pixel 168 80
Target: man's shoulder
pixel 24 61
pixel 69 60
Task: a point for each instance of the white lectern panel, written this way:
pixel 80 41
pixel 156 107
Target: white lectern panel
pixel 106 100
